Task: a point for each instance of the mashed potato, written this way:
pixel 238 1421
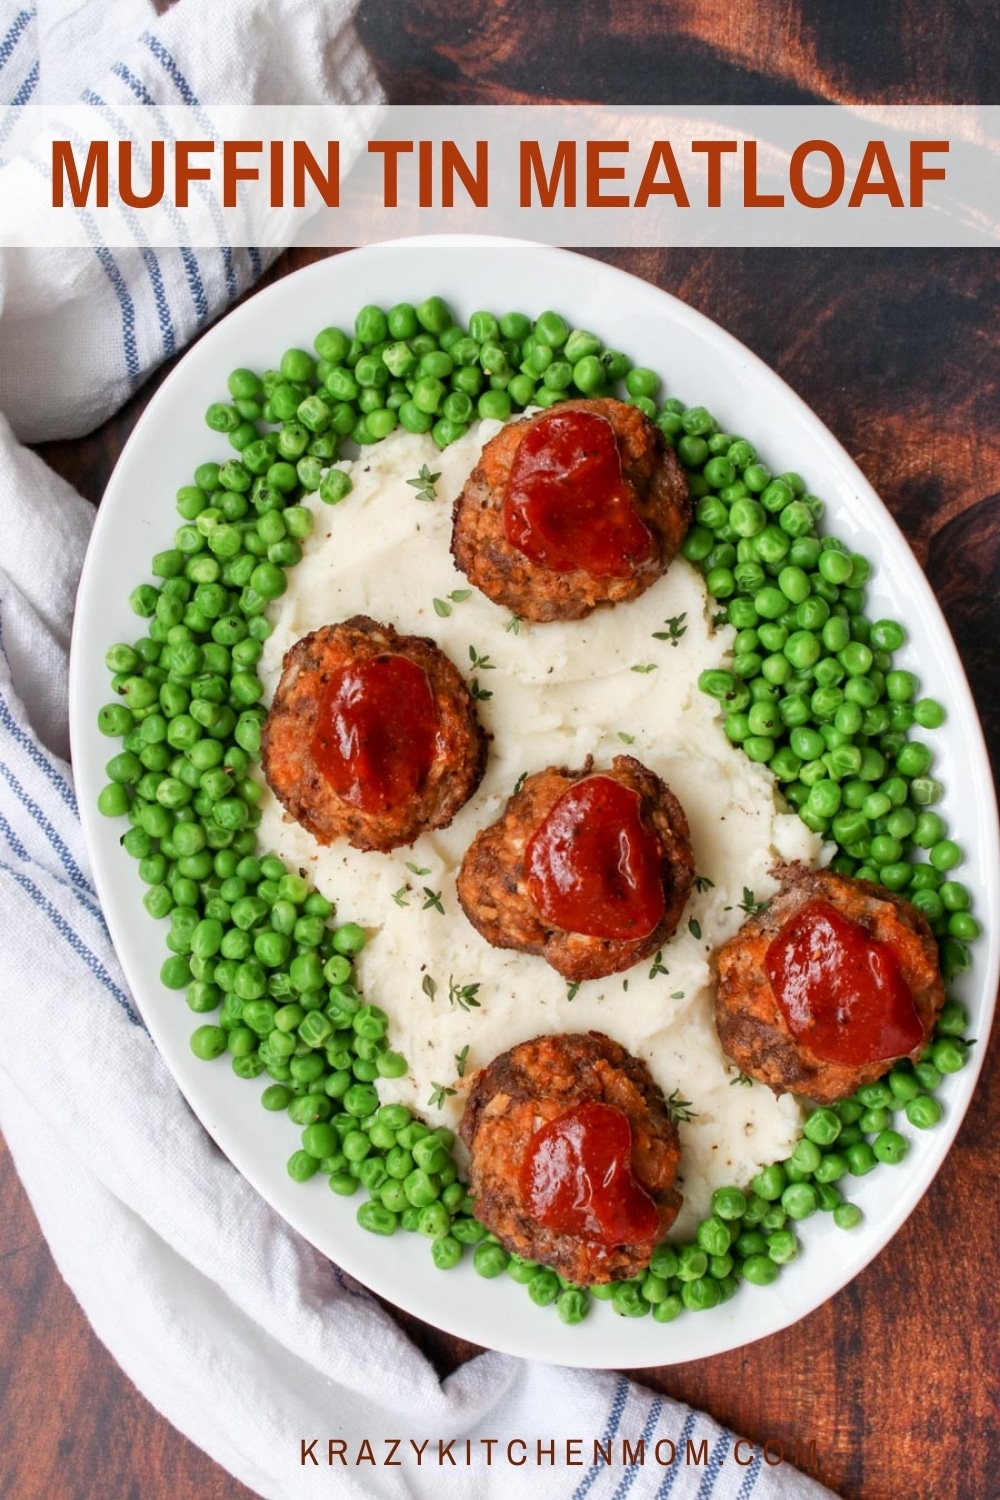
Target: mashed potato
pixel 549 695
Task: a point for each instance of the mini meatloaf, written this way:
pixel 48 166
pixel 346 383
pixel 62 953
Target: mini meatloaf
pixel 574 1156
pixel 828 986
pixel 372 736
pixel 591 870
pixel 618 508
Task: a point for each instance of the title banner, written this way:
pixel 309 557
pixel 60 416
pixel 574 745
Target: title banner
pixel 817 175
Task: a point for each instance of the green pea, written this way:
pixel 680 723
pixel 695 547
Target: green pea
pixel 783 1246
pixel 770 1182
pixel 701 1294
pixel 861 1159
pixel 799 1200
pixel 728 1203
pixel 377 1219
pixel 949 1054
pixel 847 1216
pixel 627 1300
pixel 945 855
pixel 760 1270
pixel 664 1261
pixel 832 1168
pixel 208 1042
pixel 489 1260
pixel 692 1262
pixel 714 1236
pixel 349 939
pixel 889 1146
pixel 923 1111
pixel 572 1305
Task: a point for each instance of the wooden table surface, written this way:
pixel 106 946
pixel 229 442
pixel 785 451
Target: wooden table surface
pixel 898 352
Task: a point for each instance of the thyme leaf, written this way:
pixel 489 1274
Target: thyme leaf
pixel 424 483
pixel 675 629
pixel 750 904
pixel 480 663
pixel 463 995
pixel 679 1109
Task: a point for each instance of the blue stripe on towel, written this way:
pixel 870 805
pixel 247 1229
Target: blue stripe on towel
pixel 614 1419
pixel 752 1475
pixel 8 113
pixel 168 64
pixel 28 86
pixel 49 771
pixel 75 941
pixel 110 268
pixel 671 1479
pixel 628 1480
pixel 167 335
pixel 14 34
pixel 31 807
pixel 190 98
pixel 191 267
pixel 23 853
pixel 129 343
pixel 715 1462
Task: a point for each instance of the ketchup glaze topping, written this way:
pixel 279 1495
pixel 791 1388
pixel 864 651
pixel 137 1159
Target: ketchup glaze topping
pixel 577 1178
pixel 376 731
pixel 841 991
pixel 567 504
pixel 592 865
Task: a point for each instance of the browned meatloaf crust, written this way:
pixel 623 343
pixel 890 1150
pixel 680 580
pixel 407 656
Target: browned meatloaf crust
pixel 286 742
pixel 492 883
pixel 523 1090
pixel 751 1024
pixel 482 552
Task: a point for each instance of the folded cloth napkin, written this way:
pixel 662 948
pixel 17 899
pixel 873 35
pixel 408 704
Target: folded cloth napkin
pixel 253 1344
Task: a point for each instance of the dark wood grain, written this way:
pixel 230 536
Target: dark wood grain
pixel 899 353
pixel 75 1427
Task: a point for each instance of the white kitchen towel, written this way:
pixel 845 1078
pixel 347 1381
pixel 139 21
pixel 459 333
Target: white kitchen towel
pixel 251 1342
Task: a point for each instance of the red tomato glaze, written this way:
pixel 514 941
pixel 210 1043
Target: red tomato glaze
pixel 375 734
pixel 841 991
pixel 567 505
pixel 593 867
pixel 577 1178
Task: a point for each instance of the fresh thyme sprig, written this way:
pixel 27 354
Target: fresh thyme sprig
pixel 480 663
pixel 750 904
pixel 424 483
pixel 463 995
pixel 675 629
pixel 679 1109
